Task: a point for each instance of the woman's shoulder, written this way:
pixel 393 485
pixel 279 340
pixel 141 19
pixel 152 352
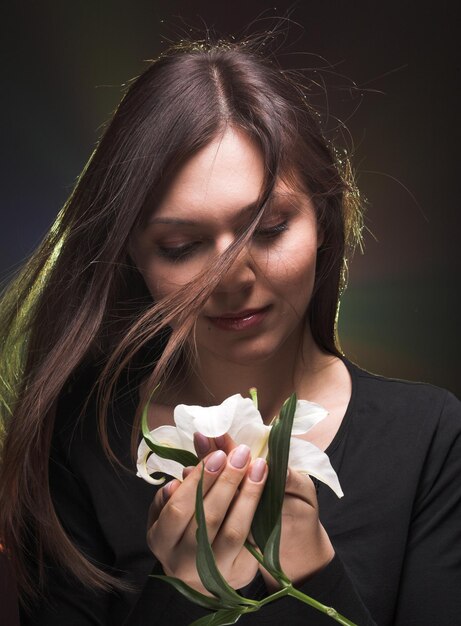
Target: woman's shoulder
pixel 77 428
pixel 397 389
pixel 408 403
pixel 407 435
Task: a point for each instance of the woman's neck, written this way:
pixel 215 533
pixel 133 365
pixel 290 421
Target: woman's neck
pixel 299 366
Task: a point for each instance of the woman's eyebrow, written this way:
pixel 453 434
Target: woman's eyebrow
pixel 242 212
pixel 188 222
pixel 172 220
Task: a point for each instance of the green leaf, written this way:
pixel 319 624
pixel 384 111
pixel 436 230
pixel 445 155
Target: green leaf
pixel 184 457
pixel 191 594
pixel 207 569
pixel 221 617
pixel 268 513
pixel 271 560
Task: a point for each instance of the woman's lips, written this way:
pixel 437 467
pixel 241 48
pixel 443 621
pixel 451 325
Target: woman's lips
pixel 240 321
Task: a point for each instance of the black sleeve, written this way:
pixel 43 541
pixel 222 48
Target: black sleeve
pixel 430 586
pixel 103 509
pixel 331 587
pixel 65 600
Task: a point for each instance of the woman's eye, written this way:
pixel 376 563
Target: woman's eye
pixel 271 232
pixel 178 253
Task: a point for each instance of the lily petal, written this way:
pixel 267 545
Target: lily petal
pixel 214 421
pixel 167 436
pixel 170 436
pixel 211 421
pixel 143 454
pixel 254 435
pixel 307 415
pixel 244 414
pixel 156 463
pixel 173 437
pixel 306 458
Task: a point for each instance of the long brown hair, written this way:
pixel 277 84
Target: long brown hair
pixel 81 301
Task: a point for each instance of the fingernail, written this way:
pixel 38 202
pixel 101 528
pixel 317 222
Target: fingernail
pixel 220 441
pixel 258 470
pixel 202 444
pixel 216 461
pixel 240 456
pixel 166 491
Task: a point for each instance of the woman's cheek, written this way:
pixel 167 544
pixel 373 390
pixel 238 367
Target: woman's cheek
pixel 165 281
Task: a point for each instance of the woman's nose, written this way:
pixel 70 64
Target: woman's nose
pixel 239 276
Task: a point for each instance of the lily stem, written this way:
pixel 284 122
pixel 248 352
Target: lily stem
pixel 275 596
pixel 328 610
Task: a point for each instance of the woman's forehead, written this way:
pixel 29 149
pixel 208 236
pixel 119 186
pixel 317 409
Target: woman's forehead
pixel 225 177
pixel 188 211
pixel 229 169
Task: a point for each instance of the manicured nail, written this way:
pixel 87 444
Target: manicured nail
pixel 240 456
pixel 220 441
pixel 257 471
pixel 202 444
pixel 216 461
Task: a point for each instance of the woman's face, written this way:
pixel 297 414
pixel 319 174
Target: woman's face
pixel 260 304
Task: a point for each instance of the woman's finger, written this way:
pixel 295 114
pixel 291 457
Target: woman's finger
pixel 204 445
pixel 219 497
pixel 301 486
pixel 187 470
pixel 236 526
pixel 172 515
pixel 161 497
pixel 224 442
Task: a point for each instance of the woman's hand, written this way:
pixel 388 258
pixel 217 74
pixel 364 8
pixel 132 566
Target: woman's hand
pixel 231 489
pixel 305 547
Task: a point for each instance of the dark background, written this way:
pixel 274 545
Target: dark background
pixel 392 73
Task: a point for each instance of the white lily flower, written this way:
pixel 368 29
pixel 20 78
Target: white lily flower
pixel 238 417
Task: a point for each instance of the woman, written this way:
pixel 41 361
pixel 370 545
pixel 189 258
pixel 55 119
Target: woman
pixel 204 248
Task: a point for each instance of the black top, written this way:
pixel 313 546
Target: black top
pixel 396 532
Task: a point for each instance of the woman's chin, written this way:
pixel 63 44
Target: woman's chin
pixel 250 353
